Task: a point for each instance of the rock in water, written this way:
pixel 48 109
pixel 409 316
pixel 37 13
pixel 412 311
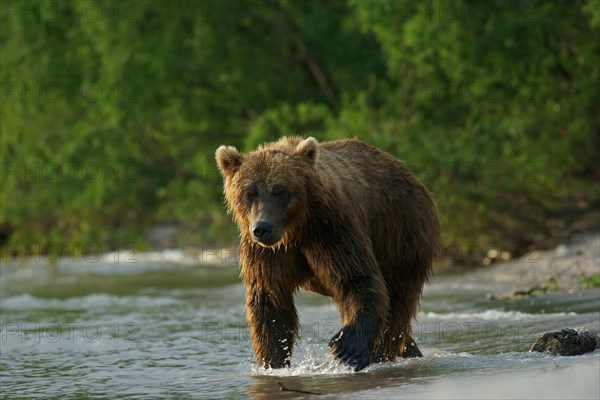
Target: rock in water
pixel 567 342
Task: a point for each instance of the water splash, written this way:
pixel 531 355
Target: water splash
pixel 313 362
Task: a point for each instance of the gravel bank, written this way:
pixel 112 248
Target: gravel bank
pixel 566 263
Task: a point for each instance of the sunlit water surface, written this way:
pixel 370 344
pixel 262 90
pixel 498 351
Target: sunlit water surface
pixel 165 331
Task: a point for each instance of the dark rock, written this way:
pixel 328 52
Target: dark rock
pixel 567 342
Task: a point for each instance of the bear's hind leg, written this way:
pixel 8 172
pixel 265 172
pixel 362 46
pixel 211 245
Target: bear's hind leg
pixel 397 339
pixel 411 349
pixel 395 342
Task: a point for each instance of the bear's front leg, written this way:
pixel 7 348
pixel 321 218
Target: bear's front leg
pixel 363 306
pixel 273 323
pixel 355 283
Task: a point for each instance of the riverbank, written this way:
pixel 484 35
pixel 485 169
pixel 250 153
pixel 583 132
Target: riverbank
pixel 571 266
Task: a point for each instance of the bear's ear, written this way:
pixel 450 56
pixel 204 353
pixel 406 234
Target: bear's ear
pixel 308 149
pixel 229 160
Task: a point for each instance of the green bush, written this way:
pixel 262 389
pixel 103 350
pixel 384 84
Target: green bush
pixel 110 121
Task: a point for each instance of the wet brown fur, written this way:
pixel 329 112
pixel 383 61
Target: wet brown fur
pixel 359 228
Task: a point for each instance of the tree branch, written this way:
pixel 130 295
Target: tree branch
pixel 311 61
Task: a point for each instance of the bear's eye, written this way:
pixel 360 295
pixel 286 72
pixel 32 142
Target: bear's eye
pixel 251 196
pixel 281 193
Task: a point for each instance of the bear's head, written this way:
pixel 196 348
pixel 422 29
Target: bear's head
pixel 266 190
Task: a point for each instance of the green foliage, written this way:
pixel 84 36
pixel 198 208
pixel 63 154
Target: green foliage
pixel 589 282
pixel 111 111
pixel 302 119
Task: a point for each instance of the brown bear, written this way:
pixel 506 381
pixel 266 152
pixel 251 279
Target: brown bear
pixel 343 219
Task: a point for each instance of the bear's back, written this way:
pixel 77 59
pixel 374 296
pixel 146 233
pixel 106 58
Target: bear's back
pixel 363 166
pixel 395 206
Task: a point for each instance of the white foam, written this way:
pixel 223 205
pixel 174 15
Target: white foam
pixel 491 315
pixel 173 256
pixel 221 256
pixel 26 301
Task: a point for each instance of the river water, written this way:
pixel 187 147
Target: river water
pixel 95 330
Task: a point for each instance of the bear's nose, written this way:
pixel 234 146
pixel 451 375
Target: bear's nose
pixel 262 230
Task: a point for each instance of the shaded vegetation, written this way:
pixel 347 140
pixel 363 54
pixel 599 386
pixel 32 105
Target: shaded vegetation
pixel 111 111
pixel 589 282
